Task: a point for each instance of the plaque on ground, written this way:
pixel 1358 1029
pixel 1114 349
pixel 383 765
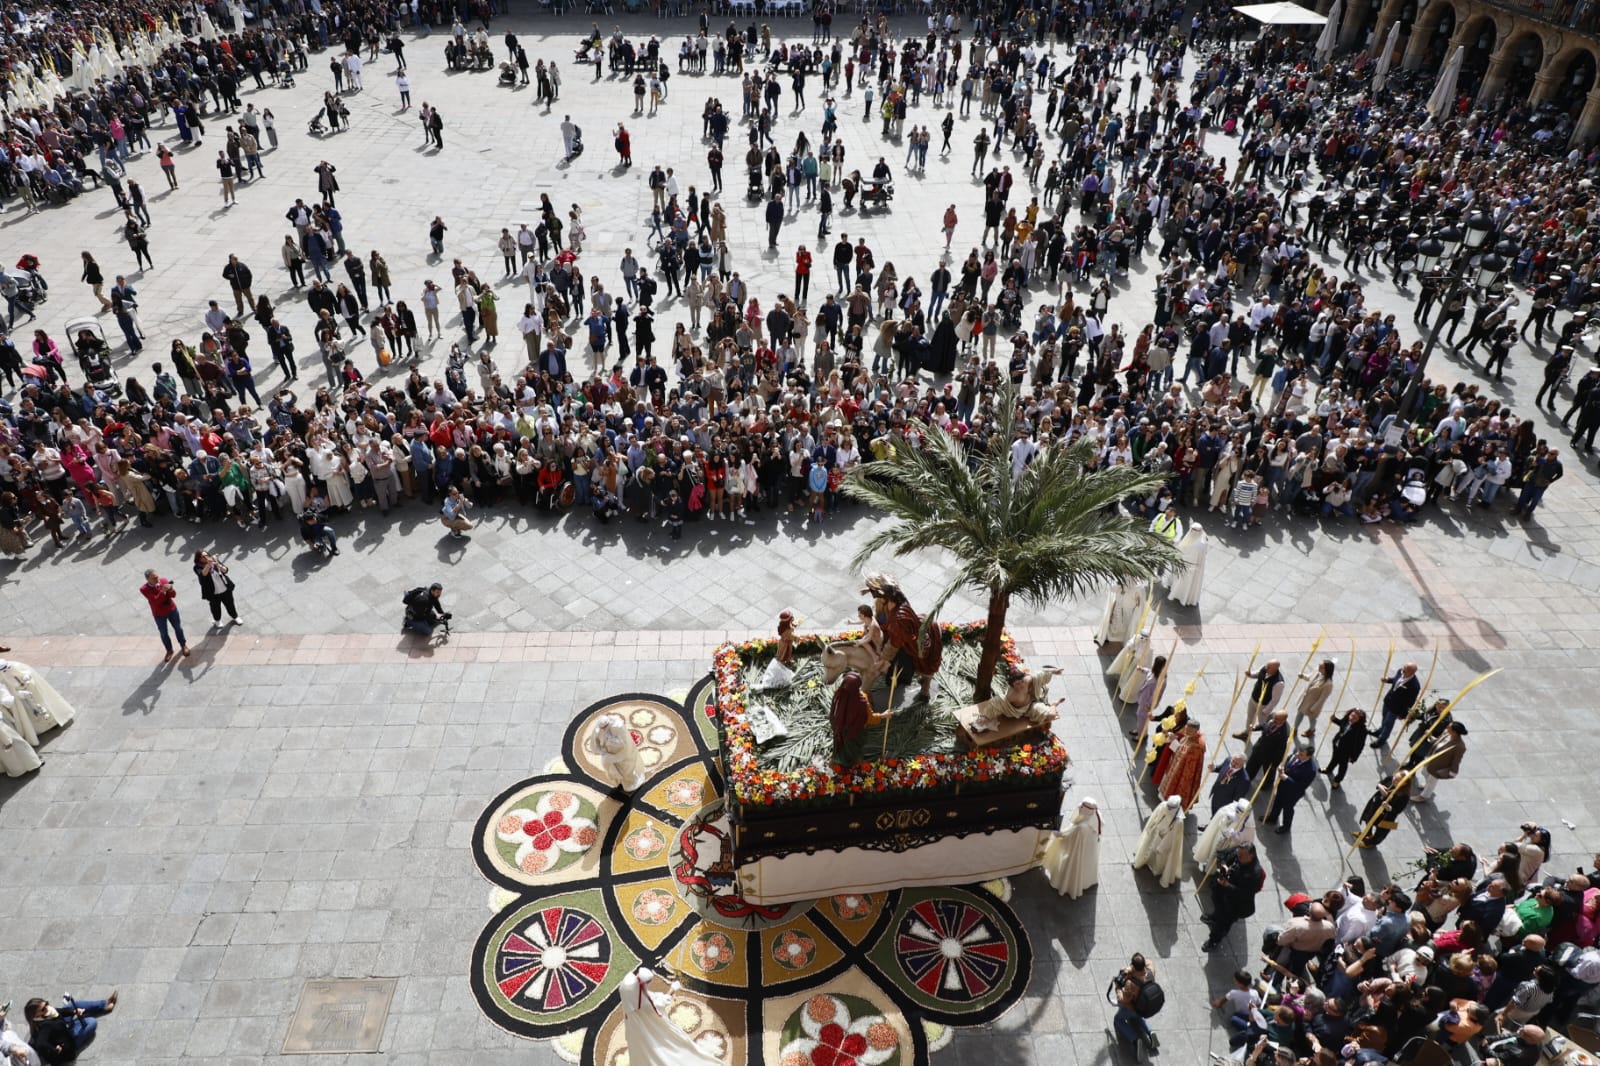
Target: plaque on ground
pixel 340 1016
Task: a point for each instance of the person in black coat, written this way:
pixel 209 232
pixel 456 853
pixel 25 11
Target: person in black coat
pixel 1271 746
pixel 1388 800
pixel 216 587
pixel 1350 734
pixel 1234 886
pixel 1298 772
pixel 942 350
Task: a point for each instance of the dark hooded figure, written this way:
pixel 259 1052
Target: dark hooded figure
pixel 942 353
pixel 852 711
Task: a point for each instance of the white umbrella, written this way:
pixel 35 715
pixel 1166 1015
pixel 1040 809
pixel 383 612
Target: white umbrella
pixel 1386 57
pixel 1330 30
pixel 1282 13
pixel 1444 93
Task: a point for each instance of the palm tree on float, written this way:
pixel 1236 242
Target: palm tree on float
pixel 1052 531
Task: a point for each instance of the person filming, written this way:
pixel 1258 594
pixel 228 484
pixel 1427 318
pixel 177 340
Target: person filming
pixel 424 612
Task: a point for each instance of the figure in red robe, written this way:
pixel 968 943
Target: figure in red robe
pixel 907 650
pixel 1184 766
pixel 852 712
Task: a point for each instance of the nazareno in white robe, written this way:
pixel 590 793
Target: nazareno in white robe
pixel 1160 847
pixel 1072 858
pixel 1186 584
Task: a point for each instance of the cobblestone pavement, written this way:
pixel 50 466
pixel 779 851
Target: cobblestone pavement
pixel 172 845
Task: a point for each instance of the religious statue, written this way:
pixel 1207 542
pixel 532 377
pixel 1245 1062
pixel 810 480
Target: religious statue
pixel 908 649
pixel 851 712
pixel 1025 698
pixel 780 671
pixel 612 744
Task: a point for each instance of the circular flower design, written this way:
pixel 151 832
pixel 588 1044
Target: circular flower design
pixel 685 792
pixel 654 906
pixel 713 952
pixel 642 718
pixel 661 734
pixel 839 1031
pixel 850 908
pixel 951 950
pixel 794 951
pixel 550 835
pixel 643 843
pixel 554 960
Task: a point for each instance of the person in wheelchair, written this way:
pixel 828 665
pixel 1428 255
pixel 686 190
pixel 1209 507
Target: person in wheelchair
pixel 424 612
pixel 548 496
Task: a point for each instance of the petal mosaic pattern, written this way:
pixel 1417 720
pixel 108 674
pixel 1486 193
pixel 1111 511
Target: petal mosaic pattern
pixel 591 882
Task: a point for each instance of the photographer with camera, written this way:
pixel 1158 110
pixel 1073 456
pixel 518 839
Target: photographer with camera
pixel 1138 999
pixel 424 612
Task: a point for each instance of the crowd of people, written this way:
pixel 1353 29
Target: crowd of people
pixel 1110 150
pixel 1478 958
pixel 762 402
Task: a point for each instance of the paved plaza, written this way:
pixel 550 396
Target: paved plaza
pixel 297 800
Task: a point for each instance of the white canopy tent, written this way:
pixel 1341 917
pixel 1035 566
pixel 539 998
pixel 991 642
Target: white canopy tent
pixel 1282 13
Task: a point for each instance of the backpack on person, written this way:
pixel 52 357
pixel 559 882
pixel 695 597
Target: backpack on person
pixel 415 601
pixel 1148 999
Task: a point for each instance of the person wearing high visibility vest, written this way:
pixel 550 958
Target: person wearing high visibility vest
pixel 1168 524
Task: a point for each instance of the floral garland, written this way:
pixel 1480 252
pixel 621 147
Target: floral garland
pixel 751 785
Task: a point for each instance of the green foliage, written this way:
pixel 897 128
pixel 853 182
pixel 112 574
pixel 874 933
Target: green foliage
pixel 804 709
pixel 1050 532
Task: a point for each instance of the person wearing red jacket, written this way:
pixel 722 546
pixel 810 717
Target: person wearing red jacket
pixel 163 600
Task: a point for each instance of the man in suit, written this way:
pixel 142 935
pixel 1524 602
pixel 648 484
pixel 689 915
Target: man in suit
pixel 1232 783
pixel 1270 747
pixel 1299 770
pixel 1404 688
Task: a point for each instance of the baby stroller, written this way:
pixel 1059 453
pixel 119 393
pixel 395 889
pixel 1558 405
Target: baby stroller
pixel 757 188
pixel 577 140
pixel 94 356
pixel 314 127
pixel 285 75
pixel 508 75
pixel 33 286
pixel 1415 488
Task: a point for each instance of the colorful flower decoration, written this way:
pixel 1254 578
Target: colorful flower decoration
pixel 549 835
pixel 713 952
pixel 840 1031
pixel 571 919
pixel 685 792
pixel 750 784
pixel 643 843
pixel 850 908
pixel 655 906
pixel 794 951
pixel 557 959
pixel 951 950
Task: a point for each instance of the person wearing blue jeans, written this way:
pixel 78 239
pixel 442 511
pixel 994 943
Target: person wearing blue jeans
pixel 1127 1022
pixel 158 591
pixel 61 1034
